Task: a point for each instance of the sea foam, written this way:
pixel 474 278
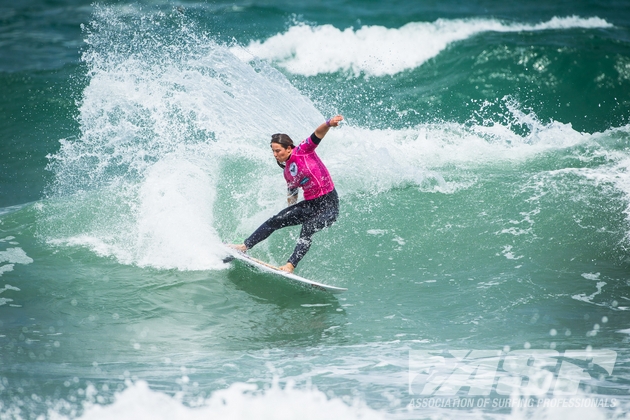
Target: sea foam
pixel 239 401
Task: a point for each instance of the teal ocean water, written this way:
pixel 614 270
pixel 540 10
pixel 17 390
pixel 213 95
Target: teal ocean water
pixel 484 233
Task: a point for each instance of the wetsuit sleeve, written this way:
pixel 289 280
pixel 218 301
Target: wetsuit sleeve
pixel 316 140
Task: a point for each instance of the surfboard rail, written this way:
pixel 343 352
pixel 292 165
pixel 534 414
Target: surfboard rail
pixel 269 268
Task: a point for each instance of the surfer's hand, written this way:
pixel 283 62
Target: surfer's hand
pixel 334 121
pixel 288 267
pixel 321 131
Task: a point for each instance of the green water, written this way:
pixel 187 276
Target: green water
pixel 484 206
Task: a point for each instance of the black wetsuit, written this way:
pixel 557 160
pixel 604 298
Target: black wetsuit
pixel 314 215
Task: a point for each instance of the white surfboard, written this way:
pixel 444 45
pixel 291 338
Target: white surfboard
pixel 268 268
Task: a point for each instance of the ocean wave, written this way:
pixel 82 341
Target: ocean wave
pixel 174 142
pixel 379 51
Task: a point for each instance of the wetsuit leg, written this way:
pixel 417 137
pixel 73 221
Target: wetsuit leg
pixel 325 216
pixel 313 215
pixel 291 216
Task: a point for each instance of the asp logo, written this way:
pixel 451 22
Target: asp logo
pixel 293 170
pixel 527 372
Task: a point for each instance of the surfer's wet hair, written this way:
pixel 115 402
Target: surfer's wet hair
pixel 282 139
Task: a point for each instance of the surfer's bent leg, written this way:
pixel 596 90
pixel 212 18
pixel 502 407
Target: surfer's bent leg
pixel 328 210
pixel 290 216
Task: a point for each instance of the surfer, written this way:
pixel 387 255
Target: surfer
pixel 302 169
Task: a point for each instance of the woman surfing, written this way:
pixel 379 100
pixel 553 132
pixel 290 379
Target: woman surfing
pixel 302 169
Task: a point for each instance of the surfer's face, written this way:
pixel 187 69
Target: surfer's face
pixel 281 153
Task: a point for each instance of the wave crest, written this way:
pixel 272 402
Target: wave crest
pixel 379 51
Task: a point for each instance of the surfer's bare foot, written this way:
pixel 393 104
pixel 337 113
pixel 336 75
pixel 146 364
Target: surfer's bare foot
pixel 238 247
pixel 288 267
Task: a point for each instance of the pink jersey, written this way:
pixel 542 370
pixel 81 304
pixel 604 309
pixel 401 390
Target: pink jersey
pixel 304 169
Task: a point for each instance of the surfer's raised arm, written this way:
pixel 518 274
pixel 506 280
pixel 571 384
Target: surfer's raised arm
pixel 321 131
